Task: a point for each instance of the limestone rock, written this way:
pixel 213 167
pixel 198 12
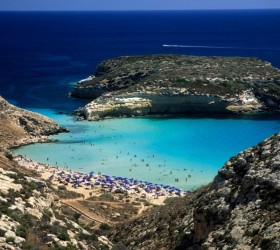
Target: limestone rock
pixel 240 209
pixel 19 126
pixel 174 84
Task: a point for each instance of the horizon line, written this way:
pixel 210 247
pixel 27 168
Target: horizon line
pixel 124 10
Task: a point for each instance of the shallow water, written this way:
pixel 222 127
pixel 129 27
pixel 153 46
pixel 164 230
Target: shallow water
pixel 159 150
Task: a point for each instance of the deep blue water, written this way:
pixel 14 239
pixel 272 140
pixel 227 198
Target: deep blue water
pixel 43 55
pixel 42 52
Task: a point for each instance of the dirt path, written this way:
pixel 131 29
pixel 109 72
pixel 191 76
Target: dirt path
pixel 140 211
pixel 78 207
pixel 74 204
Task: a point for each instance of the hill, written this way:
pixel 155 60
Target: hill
pixel 240 209
pixel 174 84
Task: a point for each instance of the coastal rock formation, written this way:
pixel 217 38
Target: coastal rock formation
pixel 31 215
pixel 19 126
pixel 240 209
pixel 173 84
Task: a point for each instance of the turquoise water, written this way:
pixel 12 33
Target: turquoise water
pixel 43 53
pixel 151 149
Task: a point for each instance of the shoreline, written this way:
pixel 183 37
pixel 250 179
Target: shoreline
pixel 91 184
pixel 29 141
pixel 260 115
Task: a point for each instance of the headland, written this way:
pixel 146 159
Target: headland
pixel 173 84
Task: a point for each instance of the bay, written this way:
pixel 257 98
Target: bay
pixel 153 149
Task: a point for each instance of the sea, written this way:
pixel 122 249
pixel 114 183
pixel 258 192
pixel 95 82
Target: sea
pixel 44 54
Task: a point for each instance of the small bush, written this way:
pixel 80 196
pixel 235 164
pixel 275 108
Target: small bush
pixel 2 232
pixel 169 200
pixel 4 208
pixel 76 216
pixel 119 246
pixel 9 156
pixel 10 239
pixel 105 227
pixel 32 242
pixel 63 236
pixel 12 194
pixel 61 187
pixel 21 231
pixel 87 237
pixel 146 203
pixel 106 196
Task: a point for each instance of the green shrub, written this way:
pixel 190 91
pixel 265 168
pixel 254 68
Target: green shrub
pixel 21 231
pixel 12 194
pixel 105 227
pixel 2 232
pixel 169 200
pixel 63 236
pixel 147 203
pixel 9 156
pixel 10 239
pixel 87 237
pixel 76 216
pixel 4 208
pixel 106 196
pixel 61 187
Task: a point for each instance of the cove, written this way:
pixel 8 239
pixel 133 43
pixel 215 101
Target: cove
pixel 153 149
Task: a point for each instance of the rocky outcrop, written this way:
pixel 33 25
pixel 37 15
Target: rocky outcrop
pixel 172 84
pixel 31 216
pixel 19 126
pixel 240 209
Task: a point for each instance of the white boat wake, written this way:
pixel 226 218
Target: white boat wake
pixel 213 47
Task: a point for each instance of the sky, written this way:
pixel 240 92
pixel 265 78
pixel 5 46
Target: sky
pixel 47 5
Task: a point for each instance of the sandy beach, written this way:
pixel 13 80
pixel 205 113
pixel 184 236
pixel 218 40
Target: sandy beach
pixel 94 184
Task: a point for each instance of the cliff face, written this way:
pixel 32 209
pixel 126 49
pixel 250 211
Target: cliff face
pixel 240 209
pixel 32 217
pixel 18 125
pixel 172 84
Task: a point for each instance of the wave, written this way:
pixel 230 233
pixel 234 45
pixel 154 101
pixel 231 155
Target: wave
pixel 196 46
pixel 214 47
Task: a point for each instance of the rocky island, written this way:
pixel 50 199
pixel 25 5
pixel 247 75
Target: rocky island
pixel 174 84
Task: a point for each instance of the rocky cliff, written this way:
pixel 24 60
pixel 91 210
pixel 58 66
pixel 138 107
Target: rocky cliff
pixel 173 84
pixel 31 215
pixel 19 126
pixel 240 209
